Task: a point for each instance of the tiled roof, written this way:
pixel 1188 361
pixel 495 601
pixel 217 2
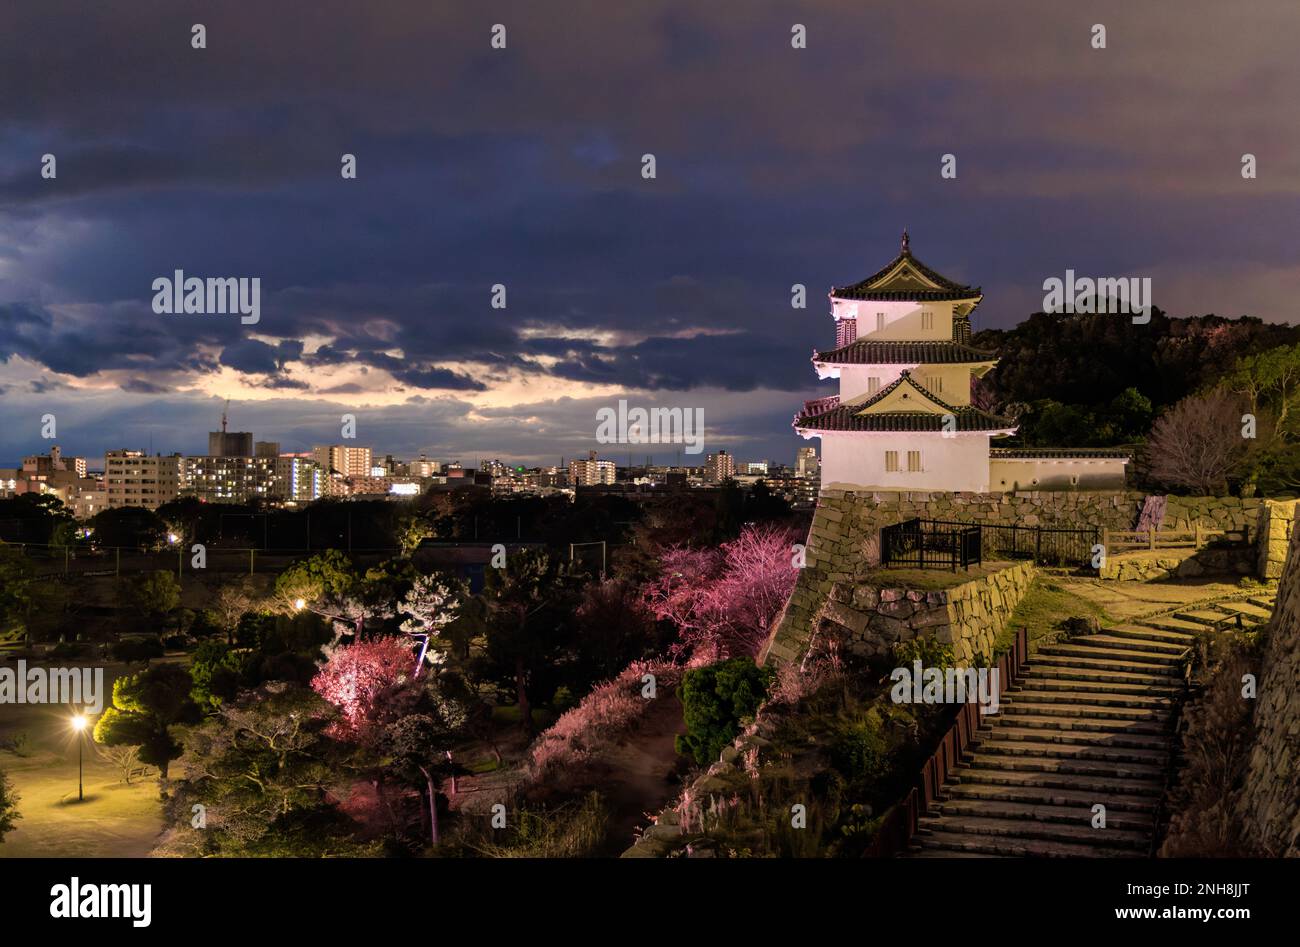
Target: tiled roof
pixel 849 417
pixel 1062 453
pixel 869 352
pixel 821 405
pixel 947 289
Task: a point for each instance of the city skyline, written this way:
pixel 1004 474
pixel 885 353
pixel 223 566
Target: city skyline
pixel 376 292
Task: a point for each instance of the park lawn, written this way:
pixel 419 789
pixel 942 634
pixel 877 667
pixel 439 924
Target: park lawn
pixel 114 821
pixel 929 580
pixel 1043 608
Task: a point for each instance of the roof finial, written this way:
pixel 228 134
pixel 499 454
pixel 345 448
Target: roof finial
pixel 907 243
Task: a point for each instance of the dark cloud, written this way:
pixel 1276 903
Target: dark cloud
pixel 522 167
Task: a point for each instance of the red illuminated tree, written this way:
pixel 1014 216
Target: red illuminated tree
pixel 359 678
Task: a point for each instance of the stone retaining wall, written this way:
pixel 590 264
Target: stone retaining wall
pixel 843 540
pixel 968 616
pixel 1270 802
pixel 846 526
pixel 1274 530
pixel 1184 513
pixel 1149 567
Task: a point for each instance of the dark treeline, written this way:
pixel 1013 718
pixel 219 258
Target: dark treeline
pixel 1101 380
pixel 694 517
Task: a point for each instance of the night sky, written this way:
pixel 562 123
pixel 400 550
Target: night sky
pixel 523 167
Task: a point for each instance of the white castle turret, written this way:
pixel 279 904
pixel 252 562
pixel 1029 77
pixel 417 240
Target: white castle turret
pixel 903 419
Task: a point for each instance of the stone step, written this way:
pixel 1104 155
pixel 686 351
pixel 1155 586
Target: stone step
pixel 1043 764
pixel 1023 828
pixel 1027 693
pixel 1252 613
pixel 1086 724
pixel 1084 648
pixel 1266 602
pixel 1130 643
pixel 1142 823
pixel 1246 608
pixel 1067 673
pixel 957 843
pixel 1088 712
pixel 1035 682
pixel 1147 633
pixel 1103 786
pixel 1144 741
pixel 1170 623
pixel 1053 796
pixel 1203 616
pixel 1101 752
pixel 1104 664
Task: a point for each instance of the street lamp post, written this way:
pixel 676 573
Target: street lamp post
pixel 79 725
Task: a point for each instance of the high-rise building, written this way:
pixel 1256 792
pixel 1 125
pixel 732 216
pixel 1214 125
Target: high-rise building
pixel 807 466
pixel 133 478
pixel 230 444
pixel 266 449
pixel 230 479
pixel 348 461
pixel 591 472
pixel 298 478
pixel 423 467
pixel 719 467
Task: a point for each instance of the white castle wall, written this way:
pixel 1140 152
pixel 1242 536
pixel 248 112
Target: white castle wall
pixel 856 461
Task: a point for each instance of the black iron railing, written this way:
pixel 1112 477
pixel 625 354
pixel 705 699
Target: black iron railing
pixel 927 544
pixel 1045 545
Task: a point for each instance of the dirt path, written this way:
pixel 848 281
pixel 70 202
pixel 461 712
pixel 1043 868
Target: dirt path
pixel 636 781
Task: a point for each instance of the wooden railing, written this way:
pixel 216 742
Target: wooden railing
pixel 1117 540
pixel 903 821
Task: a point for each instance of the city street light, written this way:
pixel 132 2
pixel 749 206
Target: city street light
pixel 79 726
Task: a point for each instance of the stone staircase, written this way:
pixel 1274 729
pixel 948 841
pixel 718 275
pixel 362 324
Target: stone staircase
pixel 1090 722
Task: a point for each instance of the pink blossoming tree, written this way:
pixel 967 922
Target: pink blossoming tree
pixel 723 601
pixel 357 678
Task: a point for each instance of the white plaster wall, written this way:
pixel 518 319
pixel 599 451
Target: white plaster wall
pixel 902 319
pixel 959 462
pixel 1102 473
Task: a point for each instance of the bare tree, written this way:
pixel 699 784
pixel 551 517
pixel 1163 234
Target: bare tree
pixel 232 601
pixel 1197 444
pixel 125 758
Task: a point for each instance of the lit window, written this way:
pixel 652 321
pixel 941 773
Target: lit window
pixel 913 461
pixel 891 461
